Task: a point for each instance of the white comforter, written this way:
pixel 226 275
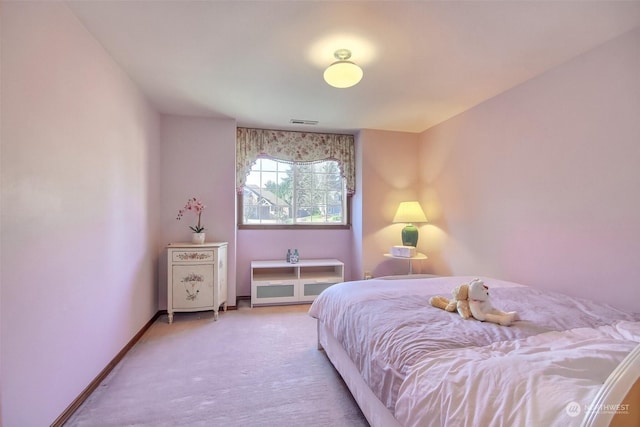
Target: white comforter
pixel 540 380
pixel 431 367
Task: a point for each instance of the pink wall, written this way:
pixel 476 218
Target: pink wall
pixel 189 146
pixel 540 184
pixel 198 160
pixel 79 211
pixel 388 175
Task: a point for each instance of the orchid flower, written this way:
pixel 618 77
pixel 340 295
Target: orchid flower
pixel 196 206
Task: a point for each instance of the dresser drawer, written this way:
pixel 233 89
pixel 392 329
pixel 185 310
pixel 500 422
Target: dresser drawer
pixel 192 256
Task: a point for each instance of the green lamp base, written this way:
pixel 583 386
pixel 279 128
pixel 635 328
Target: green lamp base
pixel 410 236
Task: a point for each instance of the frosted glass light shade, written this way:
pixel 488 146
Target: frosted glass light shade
pixel 342 74
pixel 410 212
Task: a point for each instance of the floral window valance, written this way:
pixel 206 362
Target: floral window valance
pixel 299 147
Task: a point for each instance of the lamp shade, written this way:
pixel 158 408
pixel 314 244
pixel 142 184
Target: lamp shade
pixel 343 73
pixel 410 212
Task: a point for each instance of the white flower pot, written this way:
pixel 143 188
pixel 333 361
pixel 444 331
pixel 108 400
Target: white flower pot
pixel 197 238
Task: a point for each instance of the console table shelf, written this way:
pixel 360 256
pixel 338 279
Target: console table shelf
pixel 280 282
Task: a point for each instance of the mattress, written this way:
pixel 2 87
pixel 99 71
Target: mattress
pixel 420 361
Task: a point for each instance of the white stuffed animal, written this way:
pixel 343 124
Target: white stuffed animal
pixel 481 307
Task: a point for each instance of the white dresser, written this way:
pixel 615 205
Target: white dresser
pixel 196 277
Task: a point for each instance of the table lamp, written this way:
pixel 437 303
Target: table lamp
pixel 410 213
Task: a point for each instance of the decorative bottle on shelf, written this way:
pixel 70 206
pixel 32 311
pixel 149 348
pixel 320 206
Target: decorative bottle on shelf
pixel 288 255
pixel 295 257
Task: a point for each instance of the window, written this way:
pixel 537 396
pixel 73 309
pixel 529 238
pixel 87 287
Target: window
pixel 279 193
pixel 287 179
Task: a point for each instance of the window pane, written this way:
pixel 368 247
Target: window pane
pixel 294 194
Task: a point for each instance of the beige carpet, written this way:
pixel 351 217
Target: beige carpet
pixel 253 367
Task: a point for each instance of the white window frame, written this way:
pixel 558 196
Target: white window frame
pixel 257 185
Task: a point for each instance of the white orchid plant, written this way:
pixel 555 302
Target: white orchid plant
pixel 197 207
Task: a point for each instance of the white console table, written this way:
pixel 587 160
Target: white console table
pixel 280 282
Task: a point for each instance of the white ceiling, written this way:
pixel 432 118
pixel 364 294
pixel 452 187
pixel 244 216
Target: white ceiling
pixel 261 62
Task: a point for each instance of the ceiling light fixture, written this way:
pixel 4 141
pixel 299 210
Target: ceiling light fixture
pixel 343 73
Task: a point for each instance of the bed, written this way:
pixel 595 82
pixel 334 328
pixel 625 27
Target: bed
pixel 568 361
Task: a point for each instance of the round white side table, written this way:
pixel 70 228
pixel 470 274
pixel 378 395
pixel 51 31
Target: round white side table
pixel 418 256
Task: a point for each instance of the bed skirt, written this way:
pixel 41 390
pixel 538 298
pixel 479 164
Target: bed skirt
pixel 373 409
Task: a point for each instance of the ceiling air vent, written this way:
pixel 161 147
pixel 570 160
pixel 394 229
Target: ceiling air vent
pixel 303 122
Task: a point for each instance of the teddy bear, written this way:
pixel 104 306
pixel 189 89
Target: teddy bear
pixel 482 309
pixel 459 302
